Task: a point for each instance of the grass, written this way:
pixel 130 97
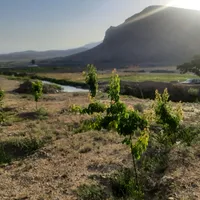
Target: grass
pixel 91 192
pixel 17 147
pixel 126 76
pixel 44 159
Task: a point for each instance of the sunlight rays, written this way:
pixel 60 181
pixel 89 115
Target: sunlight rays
pixel 187 4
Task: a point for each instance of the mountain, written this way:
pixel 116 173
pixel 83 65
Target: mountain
pixel 91 45
pixel 40 55
pixel 154 37
pixel 29 55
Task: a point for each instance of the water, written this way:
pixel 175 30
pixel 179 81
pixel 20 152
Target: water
pixel 66 88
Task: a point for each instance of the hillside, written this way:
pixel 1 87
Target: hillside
pixel 29 55
pixel 154 37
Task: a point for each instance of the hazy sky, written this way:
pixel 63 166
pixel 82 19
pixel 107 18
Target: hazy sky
pixel 62 24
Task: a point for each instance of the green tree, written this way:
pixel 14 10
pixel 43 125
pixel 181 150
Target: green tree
pixel 114 87
pixel 91 79
pixel 37 87
pixel 192 66
pixel 167 117
pixel 33 62
pixel 127 123
pixel 2 95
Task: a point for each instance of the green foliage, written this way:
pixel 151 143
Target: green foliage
pixel 114 87
pixel 94 123
pixel 95 107
pixel 114 112
pixel 192 66
pixel 37 90
pixel 141 145
pixel 2 95
pixel 2 115
pixel 18 147
pixel 41 113
pixel 139 107
pixel 91 192
pixel 194 92
pixel 167 117
pixel 188 134
pixel 91 79
pixel 125 122
pixel 135 127
pixel 124 187
pixel 75 109
pixel 130 122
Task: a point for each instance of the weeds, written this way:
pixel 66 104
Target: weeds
pixel 91 192
pixel 15 148
pixel 123 186
pixel 2 95
pixel 139 107
pixel 41 113
pixel 188 134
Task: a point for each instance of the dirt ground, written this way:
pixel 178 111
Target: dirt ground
pixel 57 169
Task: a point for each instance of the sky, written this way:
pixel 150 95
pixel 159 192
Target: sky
pixel 63 24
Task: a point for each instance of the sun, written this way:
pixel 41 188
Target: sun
pixel 190 4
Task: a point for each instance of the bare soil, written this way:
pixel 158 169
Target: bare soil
pixel 56 170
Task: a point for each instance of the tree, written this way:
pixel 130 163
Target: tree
pixel 37 90
pixel 2 94
pixel 192 66
pixel 91 79
pixel 33 62
pixel 114 88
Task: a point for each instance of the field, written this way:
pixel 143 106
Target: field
pixel 69 159
pixel 126 76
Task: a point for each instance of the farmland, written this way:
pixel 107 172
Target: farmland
pixel 66 158
pixel 126 76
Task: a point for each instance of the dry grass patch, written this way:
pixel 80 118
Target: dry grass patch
pixel 56 169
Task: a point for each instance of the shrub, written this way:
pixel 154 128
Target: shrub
pixel 134 126
pixel 125 122
pixel 188 134
pixel 124 187
pixel 75 109
pixel 91 79
pixel 26 88
pixel 95 107
pixel 37 90
pixel 114 87
pixel 51 88
pixel 2 95
pixel 18 147
pixel 167 117
pixel 139 107
pixel 194 92
pixel 91 192
pixel 41 113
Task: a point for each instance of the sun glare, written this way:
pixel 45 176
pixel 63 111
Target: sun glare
pixel 190 4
